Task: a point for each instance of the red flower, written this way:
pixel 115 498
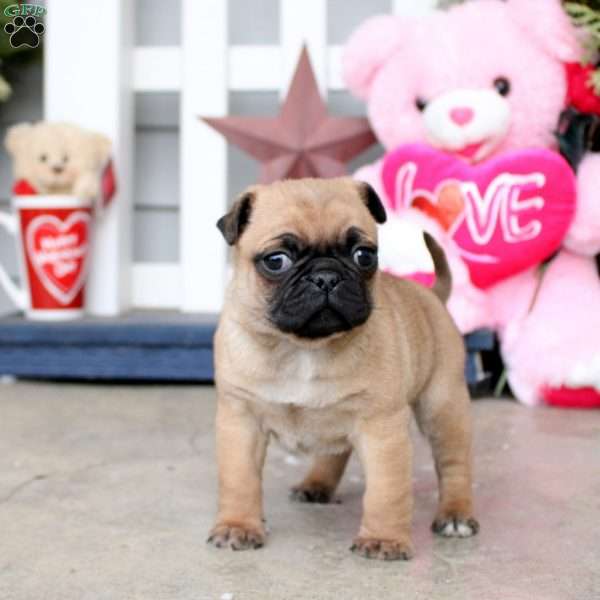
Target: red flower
pixel 580 92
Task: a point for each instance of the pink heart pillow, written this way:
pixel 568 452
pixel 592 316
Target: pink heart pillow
pixel 506 214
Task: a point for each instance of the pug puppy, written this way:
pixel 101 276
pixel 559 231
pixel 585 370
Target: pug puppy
pixel 321 351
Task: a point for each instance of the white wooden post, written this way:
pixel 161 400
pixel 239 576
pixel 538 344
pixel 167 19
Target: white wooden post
pixel 413 7
pixel 303 22
pixel 88 81
pixel 203 154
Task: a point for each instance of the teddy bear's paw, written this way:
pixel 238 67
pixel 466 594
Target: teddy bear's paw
pixel 86 189
pixel 585 373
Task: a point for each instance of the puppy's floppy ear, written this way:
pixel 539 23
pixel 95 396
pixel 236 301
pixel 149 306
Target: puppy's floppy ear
pixel 234 222
pixel 372 202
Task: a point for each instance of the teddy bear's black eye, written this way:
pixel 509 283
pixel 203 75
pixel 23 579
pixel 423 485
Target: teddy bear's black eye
pixel 420 104
pixel 43 157
pixel 502 86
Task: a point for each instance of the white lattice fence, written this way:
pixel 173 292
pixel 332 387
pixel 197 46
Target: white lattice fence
pixel 91 80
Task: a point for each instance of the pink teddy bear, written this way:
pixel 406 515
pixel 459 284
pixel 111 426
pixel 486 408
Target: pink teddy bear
pixel 477 80
pixel 549 322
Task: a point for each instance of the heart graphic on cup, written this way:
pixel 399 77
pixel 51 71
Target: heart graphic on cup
pixel 505 215
pixel 58 250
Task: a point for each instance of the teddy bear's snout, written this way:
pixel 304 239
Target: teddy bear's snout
pixel 58 169
pixel 470 120
pixel 462 115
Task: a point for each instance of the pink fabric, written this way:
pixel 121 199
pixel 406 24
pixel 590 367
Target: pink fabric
pixel 558 342
pixel 462 115
pixel 517 207
pixel 426 279
pixel 584 234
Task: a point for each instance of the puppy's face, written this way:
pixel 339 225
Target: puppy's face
pixel 306 255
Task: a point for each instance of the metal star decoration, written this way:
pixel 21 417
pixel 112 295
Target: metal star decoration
pixel 304 140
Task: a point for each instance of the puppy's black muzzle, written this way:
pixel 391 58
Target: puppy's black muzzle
pixel 326 281
pixel 326 297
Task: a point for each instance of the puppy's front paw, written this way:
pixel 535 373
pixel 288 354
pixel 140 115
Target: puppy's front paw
pixel 312 492
pixel 453 525
pixel 236 537
pixel 382 549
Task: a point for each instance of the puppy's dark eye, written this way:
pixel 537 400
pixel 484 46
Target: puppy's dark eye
pixel 43 157
pixel 276 263
pixel 502 85
pixel 420 104
pixel 365 258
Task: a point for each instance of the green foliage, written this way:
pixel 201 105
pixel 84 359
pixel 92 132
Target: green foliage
pixel 586 15
pixel 5 90
pixel 587 18
pixel 593 4
pixel 12 59
pixel 595 81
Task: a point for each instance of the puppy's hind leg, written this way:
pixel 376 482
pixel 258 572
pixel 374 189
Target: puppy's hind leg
pixel 322 479
pixel 443 415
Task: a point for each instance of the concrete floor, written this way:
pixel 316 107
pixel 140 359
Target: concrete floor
pixel 107 492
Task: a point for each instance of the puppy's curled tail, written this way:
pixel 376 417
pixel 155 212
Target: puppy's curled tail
pixel 443 277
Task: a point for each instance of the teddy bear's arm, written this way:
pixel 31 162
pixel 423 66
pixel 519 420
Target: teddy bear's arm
pixel 583 236
pixel 87 185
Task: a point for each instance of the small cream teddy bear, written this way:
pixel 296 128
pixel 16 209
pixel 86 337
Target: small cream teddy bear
pixel 58 158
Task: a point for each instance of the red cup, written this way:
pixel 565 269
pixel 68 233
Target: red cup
pixel 54 246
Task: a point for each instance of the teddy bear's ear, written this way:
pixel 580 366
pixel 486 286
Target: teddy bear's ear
pixel 17 137
pixel 102 148
pixel 368 48
pixel 549 25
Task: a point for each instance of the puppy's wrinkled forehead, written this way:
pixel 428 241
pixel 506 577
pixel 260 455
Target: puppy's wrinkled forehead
pixel 318 212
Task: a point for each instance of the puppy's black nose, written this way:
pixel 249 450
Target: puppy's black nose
pixel 325 280
pixel 58 169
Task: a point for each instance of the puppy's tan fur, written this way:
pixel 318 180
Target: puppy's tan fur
pixel 352 390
